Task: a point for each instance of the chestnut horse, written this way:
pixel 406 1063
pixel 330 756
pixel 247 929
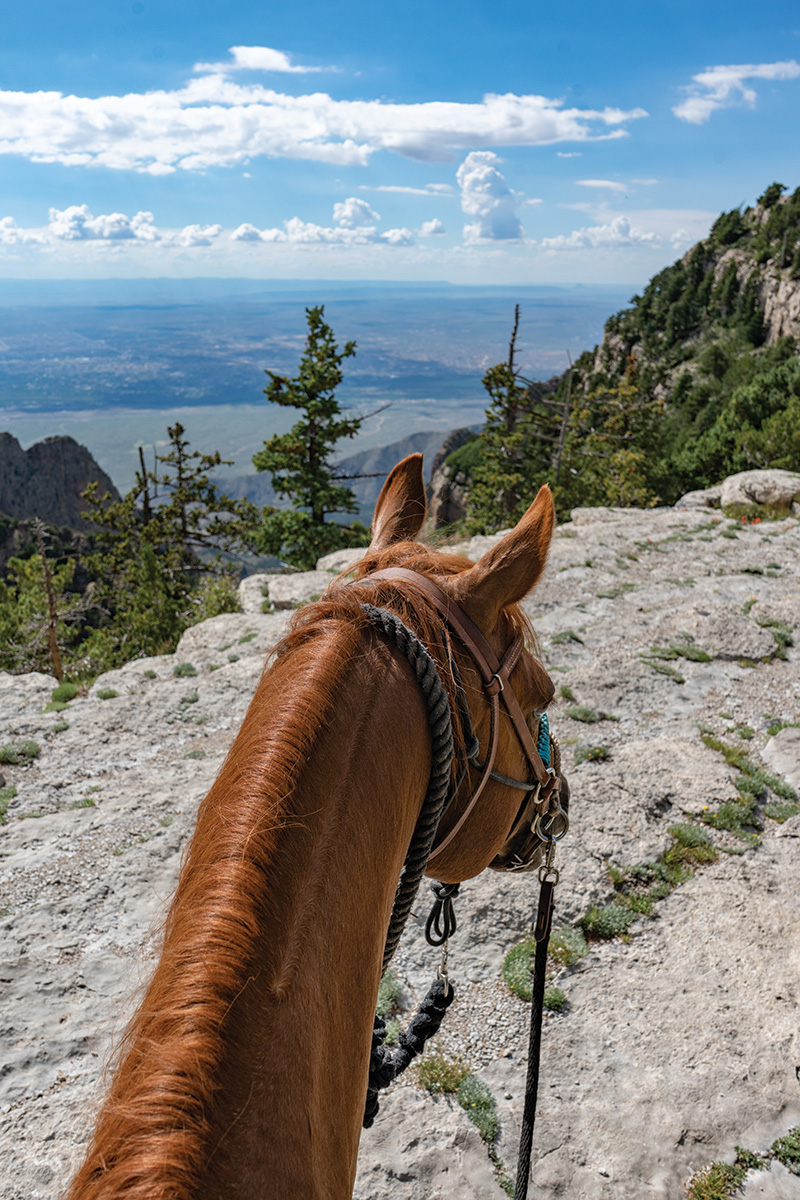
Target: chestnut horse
pixel 243 1074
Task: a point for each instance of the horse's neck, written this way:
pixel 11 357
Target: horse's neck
pixel 301 1029
pixel 245 1071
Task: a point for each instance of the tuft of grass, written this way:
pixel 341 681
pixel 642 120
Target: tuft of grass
pixel 440 1074
pixel 388 993
pixel 248 637
pixel 745 731
pixel 582 712
pixel 227 646
pixel 64 692
pixel 787 1151
pixel 606 921
pixel 735 816
pixel 84 802
pixel 618 589
pixel 717 1181
pixel 233 658
pixel 566 692
pixel 19 754
pixel 663 669
pixel 106 694
pixel 690 845
pixel 195 754
pixel 566 635
pixel 478 1103
pixel 191 698
pixel 184 670
pixel 60 726
pixel 748 604
pixel 591 754
pixel 7 794
pixel 554 999
pixel 517 968
pixel 149 674
pixel 776 725
pixel 693 653
pixel 393 1028
pixel 567 945
pixel 736 756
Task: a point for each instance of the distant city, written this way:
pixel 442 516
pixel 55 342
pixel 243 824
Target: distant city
pixel 112 362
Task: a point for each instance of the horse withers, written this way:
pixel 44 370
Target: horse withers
pixel 242 1075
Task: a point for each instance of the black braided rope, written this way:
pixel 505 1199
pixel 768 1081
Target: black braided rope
pixel 384 1064
pixel 438 709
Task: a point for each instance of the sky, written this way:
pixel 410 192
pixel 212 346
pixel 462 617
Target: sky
pixel 472 142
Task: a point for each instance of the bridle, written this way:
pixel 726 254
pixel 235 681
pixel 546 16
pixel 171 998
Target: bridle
pixel 541 817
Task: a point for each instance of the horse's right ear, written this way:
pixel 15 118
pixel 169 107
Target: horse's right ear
pixel 401 507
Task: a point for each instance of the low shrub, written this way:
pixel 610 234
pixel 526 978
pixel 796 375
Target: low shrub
pixel 477 1101
pixel 184 670
pixel 607 921
pixel 64 692
pixel 106 694
pixel 567 945
pixel 581 712
pixel 554 999
pixel 753 1162
pixel 19 754
pixel 787 1151
pixel 440 1074
pixel 715 1182
pixel 517 967
pixel 591 754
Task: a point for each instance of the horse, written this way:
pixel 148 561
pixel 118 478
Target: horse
pixel 244 1071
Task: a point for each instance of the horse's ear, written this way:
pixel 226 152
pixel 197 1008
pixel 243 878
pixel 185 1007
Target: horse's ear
pixel 400 511
pixel 507 572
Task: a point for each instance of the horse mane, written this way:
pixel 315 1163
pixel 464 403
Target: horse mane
pixel 157 1120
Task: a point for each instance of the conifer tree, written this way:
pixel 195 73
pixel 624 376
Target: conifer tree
pixel 300 460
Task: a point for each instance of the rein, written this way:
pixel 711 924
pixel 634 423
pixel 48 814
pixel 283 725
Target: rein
pixel 540 818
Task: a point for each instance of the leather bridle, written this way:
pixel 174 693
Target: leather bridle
pixel 541 811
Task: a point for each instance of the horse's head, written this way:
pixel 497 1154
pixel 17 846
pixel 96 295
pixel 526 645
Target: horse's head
pixel 481 603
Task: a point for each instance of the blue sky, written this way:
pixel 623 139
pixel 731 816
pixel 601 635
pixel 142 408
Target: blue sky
pixel 474 142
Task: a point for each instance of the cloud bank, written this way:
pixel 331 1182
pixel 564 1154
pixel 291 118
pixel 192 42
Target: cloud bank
pixel 616 234
pixel 214 121
pixel 722 87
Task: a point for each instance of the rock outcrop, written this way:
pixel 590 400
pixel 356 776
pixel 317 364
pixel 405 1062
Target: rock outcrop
pixel 774 489
pixel 46 480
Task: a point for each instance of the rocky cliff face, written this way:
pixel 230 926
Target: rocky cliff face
pixel 46 481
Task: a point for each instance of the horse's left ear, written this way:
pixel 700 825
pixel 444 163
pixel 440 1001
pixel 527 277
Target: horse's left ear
pixel 401 507
pixel 507 572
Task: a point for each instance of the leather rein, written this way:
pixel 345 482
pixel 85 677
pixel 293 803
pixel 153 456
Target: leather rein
pixel 543 788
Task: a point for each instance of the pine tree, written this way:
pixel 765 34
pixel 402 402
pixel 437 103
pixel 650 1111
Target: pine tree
pixel 300 460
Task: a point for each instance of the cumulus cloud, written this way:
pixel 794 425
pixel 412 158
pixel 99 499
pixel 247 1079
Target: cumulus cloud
pixel 352 212
pixel 721 87
pixel 76 223
pixel 12 235
pixel 215 121
pixel 256 58
pixel 198 235
pixel 487 198
pixel 617 234
pixel 432 228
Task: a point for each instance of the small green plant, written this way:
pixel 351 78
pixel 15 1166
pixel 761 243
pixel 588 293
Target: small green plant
pixel 582 712
pixel 60 726
pixel 64 692
pixel 787 1151
pixel 693 653
pixel 388 993
pixel 752 1162
pixel 149 674
pixel 393 1028
pixel 663 669
pixel 517 967
pixel 726 716
pixel 7 794
pixel 195 754
pixel 618 589
pixel 736 756
pixel 554 999
pixel 106 694
pixel 233 658
pixel 606 921
pixel 566 635
pixel 567 945
pixel 440 1074
pixel 690 845
pixel 216 667
pixel 184 670
pixel 19 754
pixel 715 1182
pixel 566 692
pixel 776 725
pixel 748 604
pixel 745 732
pixel 84 802
pixel 249 637
pixel 227 646
pixel 478 1103
pixel 781 812
pixel 191 698
pixel 591 754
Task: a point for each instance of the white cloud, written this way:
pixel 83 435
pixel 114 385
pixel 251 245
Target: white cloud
pixel 430 189
pixel 569 154
pixel 256 58
pixel 213 121
pixel 12 235
pixel 721 87
pixel 198 235
pixel 432 228
pixel 76 223
pixel 486 196
pixel 353 212
pixel 646 182
pixel 609 184
pixel 617 234
pixel 398 237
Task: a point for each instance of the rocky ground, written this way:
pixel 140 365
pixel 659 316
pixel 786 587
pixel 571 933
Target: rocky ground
pixel 675 1044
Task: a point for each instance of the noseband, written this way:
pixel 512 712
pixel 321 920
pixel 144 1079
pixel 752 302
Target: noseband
pixel 541 817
